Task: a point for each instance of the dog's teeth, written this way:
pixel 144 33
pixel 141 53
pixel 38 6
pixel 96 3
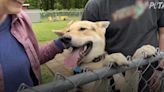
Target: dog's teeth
pixel 85 48
pixel 81 53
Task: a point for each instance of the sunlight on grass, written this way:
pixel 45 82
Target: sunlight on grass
pixel 44 29
pixel 44 32
pixel 46 74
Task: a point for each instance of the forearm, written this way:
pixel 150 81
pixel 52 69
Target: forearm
pixel 161 38
pixel 48 51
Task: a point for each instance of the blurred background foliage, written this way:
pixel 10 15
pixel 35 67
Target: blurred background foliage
pixel 56 4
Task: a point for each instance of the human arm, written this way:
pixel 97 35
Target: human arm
pixel 49 50
pixel 41 53
pixel 155 81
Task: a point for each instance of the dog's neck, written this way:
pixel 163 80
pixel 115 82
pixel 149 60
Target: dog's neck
pixel 78 70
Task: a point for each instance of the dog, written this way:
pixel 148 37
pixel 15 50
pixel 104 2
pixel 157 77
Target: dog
pixel 86 42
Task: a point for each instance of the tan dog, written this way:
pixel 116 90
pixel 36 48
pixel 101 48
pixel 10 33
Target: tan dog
pixel 87 42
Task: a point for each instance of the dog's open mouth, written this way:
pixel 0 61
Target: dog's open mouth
pixel 77 54
pixel 85 49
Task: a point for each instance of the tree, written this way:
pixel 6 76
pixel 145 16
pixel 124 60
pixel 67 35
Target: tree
pixel 47 4
pixel 33 3
pixel 56 4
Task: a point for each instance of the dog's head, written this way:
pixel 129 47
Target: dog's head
pixel 86 38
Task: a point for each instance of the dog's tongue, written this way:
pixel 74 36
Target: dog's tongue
pixel 72 59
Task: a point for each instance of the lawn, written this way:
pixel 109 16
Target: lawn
pixel 44 29
pixel 43 32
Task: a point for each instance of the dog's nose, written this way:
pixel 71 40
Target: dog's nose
pixel 66 39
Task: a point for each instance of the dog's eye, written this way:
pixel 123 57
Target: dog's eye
pixel 82 29
pixel 93 29
pixel 68 30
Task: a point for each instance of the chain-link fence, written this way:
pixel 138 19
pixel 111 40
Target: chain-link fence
pixel 142 75
pixel 62 14
pixel 54 15
pixel 75 13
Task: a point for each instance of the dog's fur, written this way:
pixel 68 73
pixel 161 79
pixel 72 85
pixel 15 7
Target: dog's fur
pixel 85 31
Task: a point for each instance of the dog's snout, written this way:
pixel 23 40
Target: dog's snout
pixel 66 39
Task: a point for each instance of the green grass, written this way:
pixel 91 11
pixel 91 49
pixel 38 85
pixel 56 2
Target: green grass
pixel 44 32
pixel 46 74
pixel 44 29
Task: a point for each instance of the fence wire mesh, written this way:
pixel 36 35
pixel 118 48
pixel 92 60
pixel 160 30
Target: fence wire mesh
pixel 58 13
pixel 144 74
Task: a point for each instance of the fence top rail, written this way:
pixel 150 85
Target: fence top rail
pixel 68 83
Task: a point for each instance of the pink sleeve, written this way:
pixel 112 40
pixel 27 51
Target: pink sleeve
pixel 48 52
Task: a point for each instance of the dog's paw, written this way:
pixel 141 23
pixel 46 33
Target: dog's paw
pixel 146 50
pixel 117 58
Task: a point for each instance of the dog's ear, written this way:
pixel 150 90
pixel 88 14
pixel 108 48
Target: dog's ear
pixel 70 23
pixel 103 24
pixel 58 32
pixel 61 32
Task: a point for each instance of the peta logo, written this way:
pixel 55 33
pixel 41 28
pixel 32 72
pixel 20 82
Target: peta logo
pixel 156 5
